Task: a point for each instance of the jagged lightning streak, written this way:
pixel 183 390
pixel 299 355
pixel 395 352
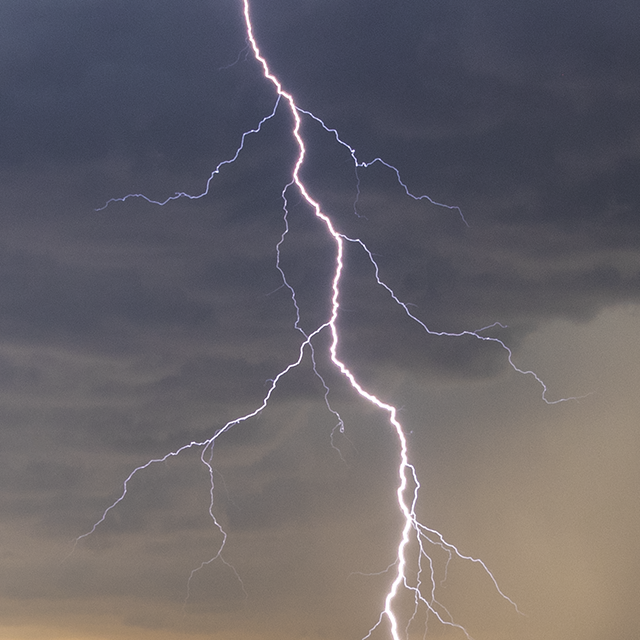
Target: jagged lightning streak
pixel 412 531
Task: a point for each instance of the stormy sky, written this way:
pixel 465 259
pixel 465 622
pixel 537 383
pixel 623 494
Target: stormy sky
pixel 129 331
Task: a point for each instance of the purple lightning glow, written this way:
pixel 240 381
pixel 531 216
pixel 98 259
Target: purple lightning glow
pixel 422 589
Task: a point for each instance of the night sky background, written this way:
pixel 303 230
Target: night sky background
pixel 128 332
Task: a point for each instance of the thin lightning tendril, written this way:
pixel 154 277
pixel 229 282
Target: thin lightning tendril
pixel 422 590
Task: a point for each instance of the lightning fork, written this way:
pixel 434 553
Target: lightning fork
pixel 413 533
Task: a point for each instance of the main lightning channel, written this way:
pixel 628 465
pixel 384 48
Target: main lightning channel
pixel 404 468
pixel 409 517
pixel 412 531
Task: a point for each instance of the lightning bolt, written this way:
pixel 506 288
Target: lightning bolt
pixel 422 589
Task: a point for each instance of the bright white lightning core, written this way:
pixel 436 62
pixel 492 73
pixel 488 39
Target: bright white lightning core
pixel 422 589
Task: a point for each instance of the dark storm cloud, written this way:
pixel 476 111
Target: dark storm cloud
pixel 544 95
pixel 522 114
pixel 86 79
pixel 44 300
